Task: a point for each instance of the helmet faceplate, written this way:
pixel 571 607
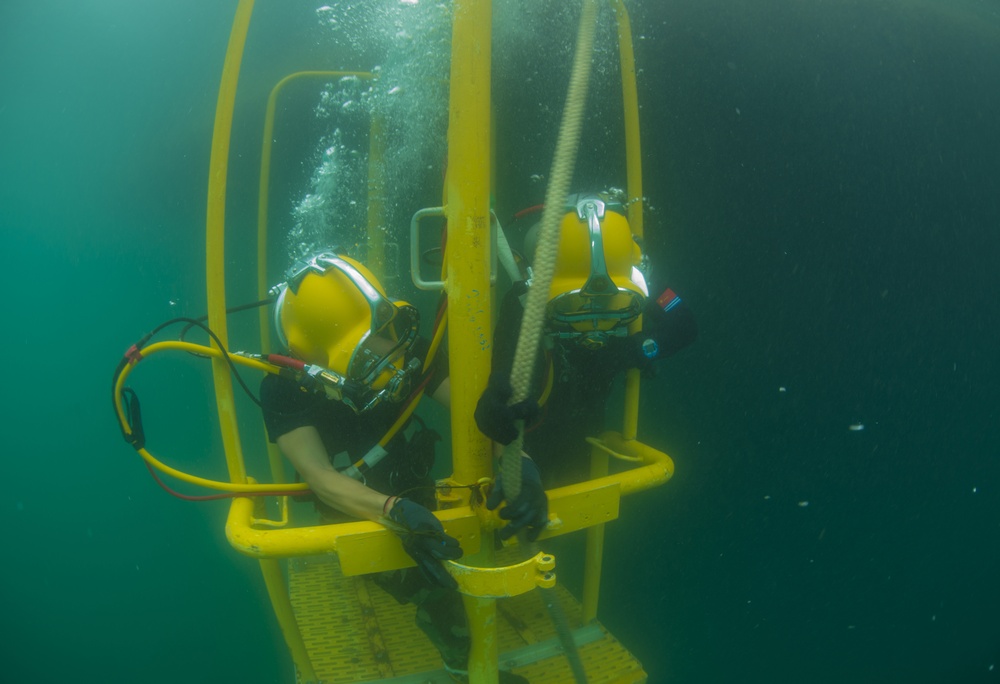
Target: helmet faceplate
pixel 597 289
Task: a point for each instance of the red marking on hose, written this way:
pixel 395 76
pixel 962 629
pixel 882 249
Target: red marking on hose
pixel 286 361
pixel 530 210
pixel 134 354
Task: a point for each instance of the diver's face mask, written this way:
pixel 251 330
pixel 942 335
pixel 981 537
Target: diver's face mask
pixel 600 310
pixel 376 370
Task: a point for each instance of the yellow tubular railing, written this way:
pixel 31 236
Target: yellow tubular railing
pixel 376 258
pixel 467 211
pixel 215 229
pixel 633 164
pixel 216 285
pixel 263 198
pixel 263 191
pixel 366 547
pixel 574 507
pixel 593 559
pixel 630 97
pixel 468 283
pixel 594 550
pixel 362 546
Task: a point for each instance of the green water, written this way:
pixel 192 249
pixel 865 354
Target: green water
pixel 823 180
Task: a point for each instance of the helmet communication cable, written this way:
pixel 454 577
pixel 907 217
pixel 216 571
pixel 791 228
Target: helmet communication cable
pixel 125 402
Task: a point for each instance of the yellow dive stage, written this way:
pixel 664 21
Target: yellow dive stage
pixel 338 625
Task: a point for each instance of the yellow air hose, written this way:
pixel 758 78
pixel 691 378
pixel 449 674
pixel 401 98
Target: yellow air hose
pixel 256 364
pixel 533 323
pixel 214 352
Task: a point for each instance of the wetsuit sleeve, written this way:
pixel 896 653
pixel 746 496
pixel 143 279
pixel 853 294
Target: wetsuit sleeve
pixel 505 337
pixel 669 322
pixel 668 326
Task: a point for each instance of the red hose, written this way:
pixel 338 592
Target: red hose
pixel 286 362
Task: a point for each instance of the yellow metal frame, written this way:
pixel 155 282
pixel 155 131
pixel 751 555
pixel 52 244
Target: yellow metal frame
pixel 375 214
pixel 264 189
pixel 364 547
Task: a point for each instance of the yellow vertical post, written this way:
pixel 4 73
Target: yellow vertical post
pixel 468 281
pixel 274 580
pixel 630 98
pixel 215 237
pixel 467 190
pixel 216 285
pixel 593 559
pixel 274 456
pixel 263 197
pixel 633 165
pixel 376 254
pixel 263 192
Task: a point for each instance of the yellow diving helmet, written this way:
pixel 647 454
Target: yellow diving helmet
pixel 332 313
pixel 597 286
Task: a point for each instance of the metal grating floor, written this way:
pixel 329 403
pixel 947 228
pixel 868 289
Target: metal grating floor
pixel 357 633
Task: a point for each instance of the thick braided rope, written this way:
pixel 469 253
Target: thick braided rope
pixel 544 261
pixel 544 265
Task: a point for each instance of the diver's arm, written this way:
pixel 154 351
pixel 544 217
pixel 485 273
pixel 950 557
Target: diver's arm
pixel 669 322
pixel 304 448
pixel 679 329
pixel 668 326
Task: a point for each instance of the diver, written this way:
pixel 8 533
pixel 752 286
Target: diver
pixel 599 287
pixel 363 359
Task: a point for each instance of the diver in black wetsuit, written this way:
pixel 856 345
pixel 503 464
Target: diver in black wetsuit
pixel 360 359
pixel 598 288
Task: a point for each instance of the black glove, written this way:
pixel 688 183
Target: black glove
pixel 495 418
pixel 426 541
pixel 530 510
